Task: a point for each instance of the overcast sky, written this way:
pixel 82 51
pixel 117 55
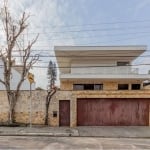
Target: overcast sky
pixel 83 22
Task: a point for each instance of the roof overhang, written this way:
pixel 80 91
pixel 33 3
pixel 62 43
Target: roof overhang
pixel 66 54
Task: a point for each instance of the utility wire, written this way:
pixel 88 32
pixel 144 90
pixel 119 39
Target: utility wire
pixel 52 50
pixel 92 30
pixel 77 56
pixel 91 24
pixel 86 37
pixel 125 39
pixel 96 66
pixel 98 23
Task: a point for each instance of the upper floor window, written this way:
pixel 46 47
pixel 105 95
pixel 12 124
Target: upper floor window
pixel 98 86
pixel 123 86
pixel 123 63
pixel 87 86
pixel 78 87
pixel 136 86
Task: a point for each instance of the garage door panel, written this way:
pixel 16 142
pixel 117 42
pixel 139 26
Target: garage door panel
pixel 112 112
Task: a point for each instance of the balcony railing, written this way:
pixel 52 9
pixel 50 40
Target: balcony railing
pixel 105 70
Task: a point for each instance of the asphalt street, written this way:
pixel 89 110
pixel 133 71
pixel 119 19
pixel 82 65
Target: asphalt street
pixel 74 143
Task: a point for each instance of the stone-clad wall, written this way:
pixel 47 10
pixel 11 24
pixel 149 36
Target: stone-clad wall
pixel 39 99
pixel 22 111
pixel 74 95
pixel 111 85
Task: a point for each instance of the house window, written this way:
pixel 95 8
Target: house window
pixel 78 87
pixel 87 86
pixel 98 86
pixel 123 63
pixel 136 86
pixel 123 86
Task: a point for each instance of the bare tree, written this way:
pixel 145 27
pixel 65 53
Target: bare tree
pixel 13 30
pixel 52 76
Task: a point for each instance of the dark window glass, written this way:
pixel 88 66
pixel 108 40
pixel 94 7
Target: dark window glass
pixel 125 63
pixel 78 87
pixel 88 87
pixel 98 86
pixel 136 86
pixel 123 86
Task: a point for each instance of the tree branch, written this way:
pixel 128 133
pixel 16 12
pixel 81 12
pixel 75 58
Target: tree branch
pixel 27 66
pixel 2 81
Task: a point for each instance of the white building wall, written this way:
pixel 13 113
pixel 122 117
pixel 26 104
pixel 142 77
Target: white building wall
pixel 14 80
pixel 107 67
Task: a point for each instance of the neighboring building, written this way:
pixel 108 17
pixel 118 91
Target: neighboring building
pixel 14 79
pixel 98 86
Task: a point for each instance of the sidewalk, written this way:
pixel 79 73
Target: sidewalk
pixel 38 131
pixel 106 132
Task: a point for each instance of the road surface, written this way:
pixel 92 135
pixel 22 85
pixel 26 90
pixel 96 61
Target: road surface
pixel 74 143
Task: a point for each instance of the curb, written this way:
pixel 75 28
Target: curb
pixel 38 134
pixel 66 135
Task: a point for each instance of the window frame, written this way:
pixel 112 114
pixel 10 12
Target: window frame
pixel 135 88
pixel 94 88
pixel 119 88
pixel 120 63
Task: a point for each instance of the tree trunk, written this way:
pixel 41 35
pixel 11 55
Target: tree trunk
pixel 48 99
pixel 12 103
pixel 47 108
pixel 11 116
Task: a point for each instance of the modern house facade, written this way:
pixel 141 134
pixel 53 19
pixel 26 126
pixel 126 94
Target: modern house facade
pixel 100 87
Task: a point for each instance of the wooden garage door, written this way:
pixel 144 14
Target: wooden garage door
pixel 95 112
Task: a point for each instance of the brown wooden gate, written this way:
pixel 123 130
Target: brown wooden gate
pixel 95 112
pixel 64 113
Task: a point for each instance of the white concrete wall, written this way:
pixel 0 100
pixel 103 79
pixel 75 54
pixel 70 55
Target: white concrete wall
pixel 14 80
pixel 82 67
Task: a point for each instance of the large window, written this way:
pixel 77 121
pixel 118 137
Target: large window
pixel 78 87
pixel 136 86
pixel 123 86
pixel 88 87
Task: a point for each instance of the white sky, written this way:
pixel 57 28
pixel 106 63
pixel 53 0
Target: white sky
pixel 83 22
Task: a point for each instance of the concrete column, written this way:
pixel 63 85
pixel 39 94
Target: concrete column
pixel 141 86
pixel 129 86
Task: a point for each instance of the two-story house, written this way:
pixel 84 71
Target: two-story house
pixel 99 86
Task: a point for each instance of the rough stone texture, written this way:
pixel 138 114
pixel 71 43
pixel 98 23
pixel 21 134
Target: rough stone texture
pixel 22 110
pixel 110 86
pixel 39 98
pixel 73 95
pixel 146 87
pixel 3 117
pixel 66 85
pixel 109 91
